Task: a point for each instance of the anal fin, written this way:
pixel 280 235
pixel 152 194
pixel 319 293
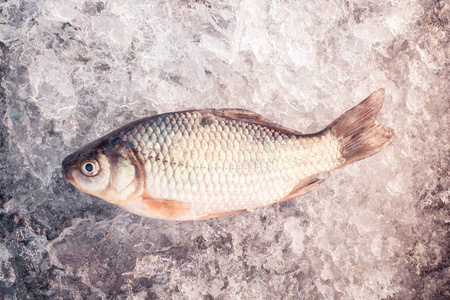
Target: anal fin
pixel 221 214
pixel 305 186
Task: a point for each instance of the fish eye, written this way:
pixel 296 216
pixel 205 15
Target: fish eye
pixel 90 167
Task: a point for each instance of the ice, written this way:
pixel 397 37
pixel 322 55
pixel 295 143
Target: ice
pixel 72 71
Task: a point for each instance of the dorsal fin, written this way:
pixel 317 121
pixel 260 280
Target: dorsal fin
pixel 251 117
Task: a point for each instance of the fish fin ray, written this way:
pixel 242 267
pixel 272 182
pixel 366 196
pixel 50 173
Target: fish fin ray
pixel 220 214
pixel 166 209
pixel 357 132
pixel 305 186
pixel 254 118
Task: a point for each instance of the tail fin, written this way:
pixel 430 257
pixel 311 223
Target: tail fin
pixel 357 132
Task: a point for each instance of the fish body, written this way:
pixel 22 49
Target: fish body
pixel 201 164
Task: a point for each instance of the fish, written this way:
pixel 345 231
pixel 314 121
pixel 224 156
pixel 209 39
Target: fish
pixel 208 163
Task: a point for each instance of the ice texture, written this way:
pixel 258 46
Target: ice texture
pixel 72 71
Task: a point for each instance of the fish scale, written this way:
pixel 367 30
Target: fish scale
pixel 197 151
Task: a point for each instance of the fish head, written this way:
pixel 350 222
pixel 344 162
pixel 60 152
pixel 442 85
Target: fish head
pixel 106 168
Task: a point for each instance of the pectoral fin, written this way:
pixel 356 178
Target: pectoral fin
pixel 305 186
pixel 166 209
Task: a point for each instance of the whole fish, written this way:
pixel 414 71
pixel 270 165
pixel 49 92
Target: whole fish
pixel 201 164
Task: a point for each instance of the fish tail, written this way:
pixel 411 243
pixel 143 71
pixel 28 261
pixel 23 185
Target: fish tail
pixel 358 135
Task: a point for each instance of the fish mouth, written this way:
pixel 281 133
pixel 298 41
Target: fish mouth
pixel 65 173
pixel 65 168
pixel 68 164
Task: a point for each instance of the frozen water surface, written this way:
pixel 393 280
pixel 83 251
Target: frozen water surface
pixel 72 71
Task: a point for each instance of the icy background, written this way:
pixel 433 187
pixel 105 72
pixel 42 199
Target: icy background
pixel 72 71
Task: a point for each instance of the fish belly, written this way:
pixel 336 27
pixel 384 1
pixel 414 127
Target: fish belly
pixel 221 165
